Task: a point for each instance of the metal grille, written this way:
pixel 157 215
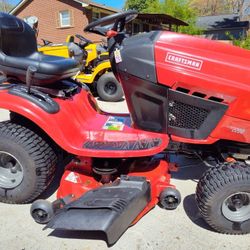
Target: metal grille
pixel 186 116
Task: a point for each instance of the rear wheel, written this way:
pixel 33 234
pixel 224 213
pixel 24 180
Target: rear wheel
pixel 108 88
pixel 223 197
pixel 27 163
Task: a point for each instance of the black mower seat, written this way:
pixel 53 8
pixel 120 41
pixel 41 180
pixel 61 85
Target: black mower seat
pixel 49 68
pixel 18 51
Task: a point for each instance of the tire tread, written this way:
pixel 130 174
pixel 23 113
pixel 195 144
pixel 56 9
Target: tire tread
pixel 40 151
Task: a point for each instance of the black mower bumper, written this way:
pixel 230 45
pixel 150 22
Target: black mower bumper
pixel 110 209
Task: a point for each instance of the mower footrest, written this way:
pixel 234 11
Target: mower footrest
pixel 110 209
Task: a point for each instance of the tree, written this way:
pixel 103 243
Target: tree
pixel 207 7
pixel 177 8
pixel 139 5
pixel 243 43
pixel 214 7
pixel 5 6
pixel 235 6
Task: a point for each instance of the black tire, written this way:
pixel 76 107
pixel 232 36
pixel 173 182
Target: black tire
pixel 35 157
pixel 223 197
pixel 108 88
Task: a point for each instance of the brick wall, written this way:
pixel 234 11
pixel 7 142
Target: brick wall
pixel 48 14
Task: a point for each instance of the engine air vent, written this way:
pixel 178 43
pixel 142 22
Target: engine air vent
pixel 198 94
pixel 215 99
pixel 186 116
pixel 183 90
pixel 191 116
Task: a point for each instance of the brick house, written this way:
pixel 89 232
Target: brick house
pixel 59 18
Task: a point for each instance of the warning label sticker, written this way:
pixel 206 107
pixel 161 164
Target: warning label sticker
pixel 72 177
pixel 114 123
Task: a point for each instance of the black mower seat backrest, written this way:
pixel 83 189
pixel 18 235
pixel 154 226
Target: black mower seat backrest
pixel 18 51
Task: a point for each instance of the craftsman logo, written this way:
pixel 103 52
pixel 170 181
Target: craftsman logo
pixel 184 61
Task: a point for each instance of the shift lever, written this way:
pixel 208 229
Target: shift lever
pixel 29 76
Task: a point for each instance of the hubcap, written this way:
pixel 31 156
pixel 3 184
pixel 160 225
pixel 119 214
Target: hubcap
pixel 11 171
pixel 110 88
pixel 236 207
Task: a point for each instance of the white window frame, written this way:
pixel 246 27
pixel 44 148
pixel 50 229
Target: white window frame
pixel 61 18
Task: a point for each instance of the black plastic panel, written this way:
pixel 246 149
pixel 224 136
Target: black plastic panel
pixel 137 54
pixel 193 117
pixel 125 146
pixel 147 103
pixel 40 99
pixel 110 209
pixel 157 108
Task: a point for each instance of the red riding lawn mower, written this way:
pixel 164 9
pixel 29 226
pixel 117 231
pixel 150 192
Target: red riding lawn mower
pixel 185 95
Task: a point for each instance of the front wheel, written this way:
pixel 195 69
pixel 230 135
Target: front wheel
pixel 108 88
pixel 42 211
pixel 223 197
pixel 27 163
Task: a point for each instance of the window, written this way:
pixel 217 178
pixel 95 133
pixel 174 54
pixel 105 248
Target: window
pixel 95 15
pixel 65 18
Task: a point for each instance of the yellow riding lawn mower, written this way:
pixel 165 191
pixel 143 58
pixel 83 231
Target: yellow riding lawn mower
pixel 96 71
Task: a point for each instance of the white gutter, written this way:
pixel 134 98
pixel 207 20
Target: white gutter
pixel 83 4
pixel 18 6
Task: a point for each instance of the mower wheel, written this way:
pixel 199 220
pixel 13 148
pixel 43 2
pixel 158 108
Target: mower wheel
pixel 42 211
pixel 27 164
pixel 223 197
pixel 169 199
pixel 108 88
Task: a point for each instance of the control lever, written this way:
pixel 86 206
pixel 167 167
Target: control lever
pixel 29 76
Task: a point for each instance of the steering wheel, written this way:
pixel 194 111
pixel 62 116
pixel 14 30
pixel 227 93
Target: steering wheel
pixel 115 22
pixel 46 42
pixel 83 41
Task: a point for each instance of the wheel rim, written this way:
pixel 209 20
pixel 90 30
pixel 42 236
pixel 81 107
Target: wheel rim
pixel 110 88
pixel 40 215
pixel 11 171
pixel 236 207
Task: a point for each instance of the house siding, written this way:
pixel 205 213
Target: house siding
pixel 47 13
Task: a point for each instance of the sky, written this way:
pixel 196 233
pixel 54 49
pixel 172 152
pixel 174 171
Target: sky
pixel 112 3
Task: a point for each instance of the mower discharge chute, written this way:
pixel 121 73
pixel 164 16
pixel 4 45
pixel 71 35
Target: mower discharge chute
pixel 185 95
pixel 96 68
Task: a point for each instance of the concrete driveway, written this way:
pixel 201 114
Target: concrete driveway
pixel 159 229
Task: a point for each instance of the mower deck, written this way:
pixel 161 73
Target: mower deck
pixel 110 208
pixel 88 204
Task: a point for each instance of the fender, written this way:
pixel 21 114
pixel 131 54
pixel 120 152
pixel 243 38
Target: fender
pixel 78 127
pixel 57 126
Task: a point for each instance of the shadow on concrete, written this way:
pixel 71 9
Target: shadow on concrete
pixel 189 168
pixel 192 211
pixel 80 235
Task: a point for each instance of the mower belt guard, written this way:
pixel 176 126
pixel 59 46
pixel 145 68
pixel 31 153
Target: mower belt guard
pixel 110 209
